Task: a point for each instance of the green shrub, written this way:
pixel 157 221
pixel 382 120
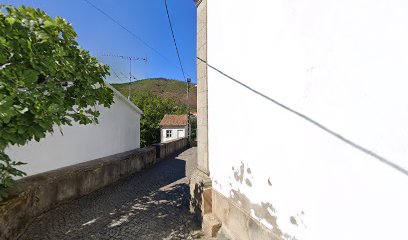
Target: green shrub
pixel 46 80
pixel 154 108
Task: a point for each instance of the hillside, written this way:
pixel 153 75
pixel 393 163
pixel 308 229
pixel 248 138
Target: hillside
pixel 162 87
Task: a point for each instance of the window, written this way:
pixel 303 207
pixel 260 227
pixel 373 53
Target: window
pixel 168 133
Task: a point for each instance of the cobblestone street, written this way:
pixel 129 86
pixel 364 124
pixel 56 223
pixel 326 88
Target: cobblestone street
pixel 152 204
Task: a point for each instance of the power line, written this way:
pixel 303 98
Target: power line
pixel 114 72
pixel 124 75
pixel 121 78
pixel 130 65
pixel 129 31
pixel 131 76
pixel 317 124
pixel 174 40
pixel 116 75
pixel 181 66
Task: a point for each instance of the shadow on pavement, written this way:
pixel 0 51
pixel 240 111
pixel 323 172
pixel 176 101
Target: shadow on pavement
pixel 141 206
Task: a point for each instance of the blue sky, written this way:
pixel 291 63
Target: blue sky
pixel 145 18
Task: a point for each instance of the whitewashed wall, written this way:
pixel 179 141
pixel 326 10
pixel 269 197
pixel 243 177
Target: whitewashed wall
pixel 342 63
pixel 118 131
pixel 174 130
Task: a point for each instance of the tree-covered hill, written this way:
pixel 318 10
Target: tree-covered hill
pixel 167 88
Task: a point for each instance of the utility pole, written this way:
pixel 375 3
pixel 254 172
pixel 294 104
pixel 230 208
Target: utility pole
pixel 188 109
pixel 188 91
pixel 130 65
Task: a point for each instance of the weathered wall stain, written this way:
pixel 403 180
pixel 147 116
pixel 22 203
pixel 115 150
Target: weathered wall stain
pixel 248 182
pixel 239 175
pixel 261 211
pixel 288 237
pixel 298 219
pixel 293 220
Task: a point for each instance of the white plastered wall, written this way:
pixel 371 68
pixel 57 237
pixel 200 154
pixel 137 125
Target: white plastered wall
pixel 174 135
pixel 118 131
pixel 343 64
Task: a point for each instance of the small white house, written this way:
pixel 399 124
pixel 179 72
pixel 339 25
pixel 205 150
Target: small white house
pixel 173 127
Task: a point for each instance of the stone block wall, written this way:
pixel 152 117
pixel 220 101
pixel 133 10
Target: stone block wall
pixel 165 150
pixel 39 193
pixel 202 87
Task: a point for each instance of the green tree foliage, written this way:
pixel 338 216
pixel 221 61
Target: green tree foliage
pixel 193 122
pixel 154 108
pixel 46 80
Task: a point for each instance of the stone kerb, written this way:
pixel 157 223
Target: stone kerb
pixel 39 193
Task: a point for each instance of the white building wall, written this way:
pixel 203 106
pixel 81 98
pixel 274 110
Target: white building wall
pixel 343 64
pixel 174 135
pixel 118 131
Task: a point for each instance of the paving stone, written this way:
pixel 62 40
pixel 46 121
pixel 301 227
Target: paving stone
pixel 152 204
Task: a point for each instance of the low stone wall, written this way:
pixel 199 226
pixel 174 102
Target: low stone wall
pixel 39 193
pixel 165 150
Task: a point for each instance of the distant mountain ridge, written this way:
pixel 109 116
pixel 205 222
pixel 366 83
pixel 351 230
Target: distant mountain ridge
pixel 163 87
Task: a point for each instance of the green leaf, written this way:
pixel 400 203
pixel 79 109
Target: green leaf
pixel 33 97
pixel 30 76
pixel 48 23
pixel 8 182
pixel 10 20
pixel 3 193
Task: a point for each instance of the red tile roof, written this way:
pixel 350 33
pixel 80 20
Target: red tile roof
pixel 174 120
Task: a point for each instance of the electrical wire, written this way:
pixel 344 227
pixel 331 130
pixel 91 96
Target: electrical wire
pixel 130 32
pixel 317 124
pixel 116 75
pixel 174 40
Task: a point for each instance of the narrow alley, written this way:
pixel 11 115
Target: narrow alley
pixel 152 204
